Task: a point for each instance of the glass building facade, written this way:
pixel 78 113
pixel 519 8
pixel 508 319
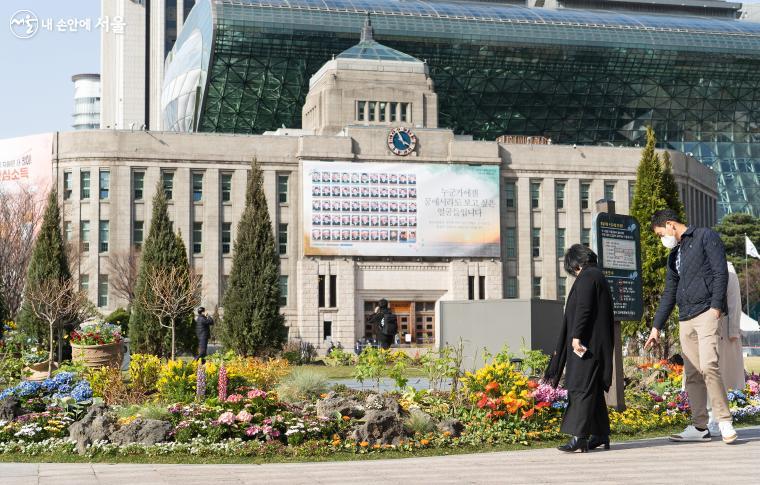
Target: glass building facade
pixel 584 77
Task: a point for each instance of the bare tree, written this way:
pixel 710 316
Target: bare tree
pixel 20 215
pixel 58 302
pixel 173 292
pixel 125 267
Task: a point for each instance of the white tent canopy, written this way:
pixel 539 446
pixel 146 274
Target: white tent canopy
pixel 747 324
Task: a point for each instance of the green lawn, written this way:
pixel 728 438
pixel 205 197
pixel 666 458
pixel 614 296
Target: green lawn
pixel 752 364
pixel 347 371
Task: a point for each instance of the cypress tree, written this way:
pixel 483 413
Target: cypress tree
pixel 252 321
pixel 161 249
pixel 48 262
pixel 648 198
pixel 670 189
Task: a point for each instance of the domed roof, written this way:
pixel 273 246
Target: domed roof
pixel 368 48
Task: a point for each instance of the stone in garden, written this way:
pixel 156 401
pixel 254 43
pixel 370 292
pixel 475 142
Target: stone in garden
pixel 96 425
pixel 453 426
pixel 143 431
pixel 10 408
pixel 332 404
pixel 380 427
pixel 378 402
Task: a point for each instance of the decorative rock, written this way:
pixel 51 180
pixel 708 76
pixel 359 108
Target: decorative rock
pixel 332 404
pixel 96 425
pixel 144 431
pixel 453 426
pixel 382 403
pixel 10 408
pixel 380 427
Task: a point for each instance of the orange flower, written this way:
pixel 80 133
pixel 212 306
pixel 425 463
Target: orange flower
pixel 447 433
pixel 532 384
pixel 376 446
pixel 483 401
pixel 542 404
pixel 346 418
pixel 492 386
pixel 528 413
pixel 336 442
pixel 364 444
pixel 424 442
pixel 498 414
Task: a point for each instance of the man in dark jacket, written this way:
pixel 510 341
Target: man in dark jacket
pixel 696 280
pixel 203 324
pixel 385 323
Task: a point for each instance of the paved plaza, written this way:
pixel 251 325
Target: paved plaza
pixel 649 461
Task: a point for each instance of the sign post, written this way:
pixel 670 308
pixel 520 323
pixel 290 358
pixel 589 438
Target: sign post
pixel 618 246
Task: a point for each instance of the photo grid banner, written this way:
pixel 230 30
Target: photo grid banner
pixel 399 209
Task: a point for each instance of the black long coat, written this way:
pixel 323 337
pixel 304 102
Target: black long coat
pixel 589 317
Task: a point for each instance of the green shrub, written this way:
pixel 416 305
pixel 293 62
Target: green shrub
pixel 119 317
pixel 339 357
pixel 419 423
pixel 148 411
pixel 302 384
pixel 144 370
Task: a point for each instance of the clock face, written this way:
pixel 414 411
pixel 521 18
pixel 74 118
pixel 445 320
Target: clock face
pixel 402 141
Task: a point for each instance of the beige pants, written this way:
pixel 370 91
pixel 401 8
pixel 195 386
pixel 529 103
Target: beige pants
pixel 700 338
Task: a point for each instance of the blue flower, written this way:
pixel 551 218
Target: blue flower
pixel 82 391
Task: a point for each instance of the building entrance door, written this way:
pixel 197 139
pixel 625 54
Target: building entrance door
pixel 416 321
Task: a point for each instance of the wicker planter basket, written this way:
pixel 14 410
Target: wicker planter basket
pixel 39 371
pixel 97 356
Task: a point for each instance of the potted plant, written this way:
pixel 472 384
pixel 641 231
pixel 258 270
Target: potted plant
pixel 97 344
pixel 37 364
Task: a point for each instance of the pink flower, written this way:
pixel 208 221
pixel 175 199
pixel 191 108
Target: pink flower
pixel 227 418
pixel 222 384
pixel 267 421
pixel 244 416
pixel 234 398
pixel 254 393
pixel 252 431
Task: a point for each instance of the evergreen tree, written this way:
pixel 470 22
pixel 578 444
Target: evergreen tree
pixel 670 188
pixel 252 321
pixel 648 198
pixel 48 262
pixel 161 249
pixel 732 229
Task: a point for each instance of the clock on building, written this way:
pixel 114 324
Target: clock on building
pixel 402 141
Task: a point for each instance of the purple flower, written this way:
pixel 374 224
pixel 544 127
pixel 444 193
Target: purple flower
pixel 200 383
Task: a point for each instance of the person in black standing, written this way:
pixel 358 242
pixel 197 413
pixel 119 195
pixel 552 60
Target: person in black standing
pixel 203 324
pixel 585 345
pixel 385 324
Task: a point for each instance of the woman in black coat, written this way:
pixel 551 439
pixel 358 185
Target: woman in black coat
pixel 585 345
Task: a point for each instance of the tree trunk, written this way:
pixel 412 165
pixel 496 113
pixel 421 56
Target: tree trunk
pixel 173 338
pixel 50 354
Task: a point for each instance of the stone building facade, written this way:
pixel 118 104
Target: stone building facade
pixel 107 179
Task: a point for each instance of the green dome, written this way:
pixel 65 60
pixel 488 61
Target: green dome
pixel 368 48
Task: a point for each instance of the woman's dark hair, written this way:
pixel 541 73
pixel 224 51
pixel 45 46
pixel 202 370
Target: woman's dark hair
pixel 383 304
pixel 662 216
pixel 578 257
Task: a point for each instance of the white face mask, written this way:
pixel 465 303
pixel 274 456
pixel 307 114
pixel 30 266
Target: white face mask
pixel 669 241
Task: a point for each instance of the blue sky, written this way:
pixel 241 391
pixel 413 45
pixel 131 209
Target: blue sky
pixel 36 92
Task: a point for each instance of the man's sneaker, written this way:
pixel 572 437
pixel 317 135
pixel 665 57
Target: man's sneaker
pixel 692 434
pixel 727 431
pixel 713 428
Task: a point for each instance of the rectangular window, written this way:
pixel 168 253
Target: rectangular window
pixel 333 291
pixel 511 242
pixel 322 289
pixel 371 114
pixel 470 287
pixel 512 287
pixel 382 106
pixel 360 110
pixel 67 230
pixel 137 234
pixel 197 186
pixel 103 233
pixel 537 287
pixel 102 290
pixel 481 287
pixel 511 194
pixel 283 291
pixel 560 242
pixel 197 237
pixel 394 112
pixel 104 184
pixel 561 288
pixel 282 189
pixel 584 195
pixel 536 242
pixel 138 184
pixel 226 237
pixel 327 329
pixel 535 195
pixel 84 282
pixel 609 190
pixel 67 185
pixel 84 184
pixel 168 183
pixel 282 239
pixel 84 235
pixel 226 187
pixel 560 195
pixel 586 237
pixel 406 115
